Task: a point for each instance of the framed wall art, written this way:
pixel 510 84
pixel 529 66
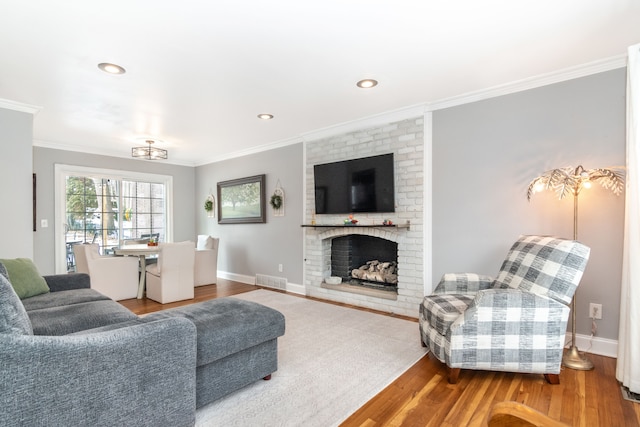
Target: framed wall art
pixel 242 201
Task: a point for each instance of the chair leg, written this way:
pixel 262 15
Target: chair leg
pixel 267 378
pixel 552 378
pixel 453 375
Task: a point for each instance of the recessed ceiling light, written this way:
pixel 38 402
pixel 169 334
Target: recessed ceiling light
pixel 111 68
pixel 367 83
pixel 265 116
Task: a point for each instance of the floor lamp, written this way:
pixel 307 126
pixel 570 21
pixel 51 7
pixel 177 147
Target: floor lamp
pixel 570 181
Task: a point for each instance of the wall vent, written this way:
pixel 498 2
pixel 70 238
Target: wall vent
pixel 271 281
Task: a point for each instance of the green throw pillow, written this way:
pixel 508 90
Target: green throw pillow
pixel 25 277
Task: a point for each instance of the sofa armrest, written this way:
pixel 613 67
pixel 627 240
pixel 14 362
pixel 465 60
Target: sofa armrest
pixel 140 375
pixel 463 283
pixel 66 282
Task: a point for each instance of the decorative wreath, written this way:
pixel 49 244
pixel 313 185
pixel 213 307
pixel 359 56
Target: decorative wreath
pixel 276 201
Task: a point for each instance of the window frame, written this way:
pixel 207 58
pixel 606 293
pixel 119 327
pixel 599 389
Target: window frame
pixel 61 171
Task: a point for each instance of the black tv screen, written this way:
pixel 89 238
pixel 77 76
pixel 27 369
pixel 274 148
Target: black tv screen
pixel 359 185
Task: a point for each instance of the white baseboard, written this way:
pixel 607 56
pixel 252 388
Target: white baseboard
pixel 296 289
pixel 596 345
pixel 251 280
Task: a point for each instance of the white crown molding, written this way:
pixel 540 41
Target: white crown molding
pixel 104 152
pixel 366 122
pixel 563 75
pixel 252 150
pixel 19 106
pixel 418 110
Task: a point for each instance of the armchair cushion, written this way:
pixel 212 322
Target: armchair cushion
pixel 545 266
pixel 25 277
pixel 463 283
pixel 13 316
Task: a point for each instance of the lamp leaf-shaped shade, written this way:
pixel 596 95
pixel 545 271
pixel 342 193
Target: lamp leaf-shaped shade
pixel 568 180
pixel 611 179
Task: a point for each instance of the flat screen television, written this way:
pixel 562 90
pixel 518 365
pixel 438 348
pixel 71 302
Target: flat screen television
pixel 358 185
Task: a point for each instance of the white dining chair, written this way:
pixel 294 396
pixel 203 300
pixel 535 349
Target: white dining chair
pixel 115 277
pixel 171 279
pixel 206 262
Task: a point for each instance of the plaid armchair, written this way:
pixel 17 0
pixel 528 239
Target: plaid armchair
pixel 515 323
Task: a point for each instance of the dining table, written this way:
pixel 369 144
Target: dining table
pixel 142 251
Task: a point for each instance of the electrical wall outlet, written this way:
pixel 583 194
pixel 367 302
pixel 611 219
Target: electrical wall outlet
pixel 595 311
pixel 280 268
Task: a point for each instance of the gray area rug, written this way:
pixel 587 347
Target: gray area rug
pixel 331 361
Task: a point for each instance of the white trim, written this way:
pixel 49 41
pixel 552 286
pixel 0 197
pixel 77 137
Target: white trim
pixel 19 106
pixel 60 173
pixel 251 150
pixel 251 280
pixel 566 74
pixel 242 278
pixel 418 110
pixel 366 122
pixel 600 346
pixel 294 288
pixel 304 216
pixel 427 208
pixel 102 151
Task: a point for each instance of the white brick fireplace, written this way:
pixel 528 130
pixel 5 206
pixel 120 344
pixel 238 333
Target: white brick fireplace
pixel 406 140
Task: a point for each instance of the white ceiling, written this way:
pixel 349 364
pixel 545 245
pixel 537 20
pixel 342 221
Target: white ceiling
pixel 199 72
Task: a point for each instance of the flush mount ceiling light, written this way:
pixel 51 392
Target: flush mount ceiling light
pixel 111 68
pixel 367 83
pixel 265 116
pixel 149 152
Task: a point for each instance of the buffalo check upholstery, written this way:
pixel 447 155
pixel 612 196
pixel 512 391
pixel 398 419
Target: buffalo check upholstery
pixel 515 323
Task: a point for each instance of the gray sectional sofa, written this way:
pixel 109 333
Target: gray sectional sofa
pixel 73 357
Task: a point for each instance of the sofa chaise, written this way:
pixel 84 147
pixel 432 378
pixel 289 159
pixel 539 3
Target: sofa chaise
pixel 71 356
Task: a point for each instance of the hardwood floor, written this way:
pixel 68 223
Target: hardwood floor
pixel 224 288
pixel 423 397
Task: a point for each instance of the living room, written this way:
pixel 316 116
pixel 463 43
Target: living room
pixel 478 152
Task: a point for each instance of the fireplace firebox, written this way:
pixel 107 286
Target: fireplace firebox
pixel 365 261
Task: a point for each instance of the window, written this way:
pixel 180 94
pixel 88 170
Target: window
pixel 107 207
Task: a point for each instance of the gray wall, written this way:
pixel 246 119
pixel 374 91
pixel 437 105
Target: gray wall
pixel 484 156
pixel 44 160
pixel 248 249
pixel 16 219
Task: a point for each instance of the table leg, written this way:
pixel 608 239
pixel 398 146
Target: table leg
pixel 143 275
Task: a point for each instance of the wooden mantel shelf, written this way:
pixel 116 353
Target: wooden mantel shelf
pixel 407 225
